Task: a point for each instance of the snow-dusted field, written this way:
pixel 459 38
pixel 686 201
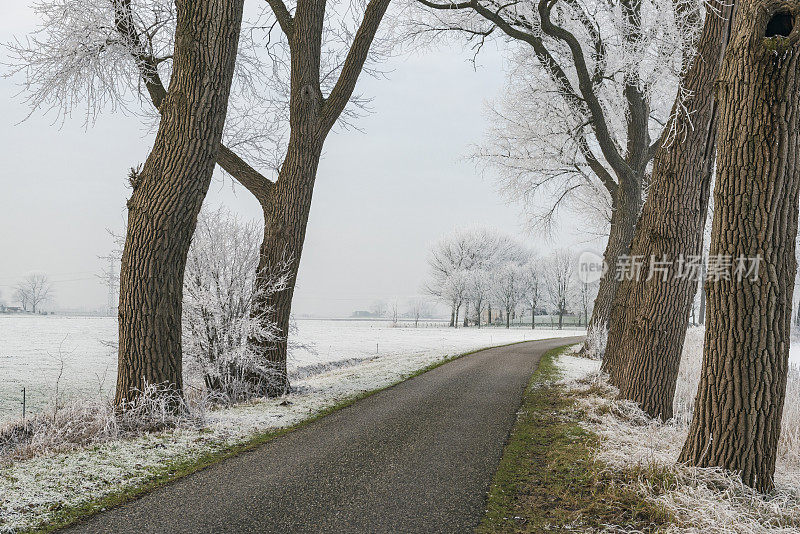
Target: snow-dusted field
pixel 36 351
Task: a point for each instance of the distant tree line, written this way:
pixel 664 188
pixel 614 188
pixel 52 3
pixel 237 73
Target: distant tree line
pixel 486 276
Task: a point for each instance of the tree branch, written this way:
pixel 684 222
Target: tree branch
pixel 258 184
pixel 284 18
pixel 638 132
pixel 354 63
pixel 599 124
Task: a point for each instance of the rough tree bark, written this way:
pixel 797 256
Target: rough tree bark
pixel 626 205
pixel 168 193
pixel 740 398
pixel 650 315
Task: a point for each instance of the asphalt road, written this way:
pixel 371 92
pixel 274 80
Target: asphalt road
pixel 417 457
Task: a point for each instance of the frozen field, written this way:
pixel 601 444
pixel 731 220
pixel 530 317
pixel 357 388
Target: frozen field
pixel 76 354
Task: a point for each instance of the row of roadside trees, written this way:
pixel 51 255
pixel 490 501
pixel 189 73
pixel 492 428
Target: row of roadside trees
pixel 637 106
pixel 485 276
pixel 622 108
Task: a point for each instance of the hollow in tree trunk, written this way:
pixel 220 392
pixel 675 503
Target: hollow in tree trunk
pixel 650 315
pixel 740 397
pixel 167 196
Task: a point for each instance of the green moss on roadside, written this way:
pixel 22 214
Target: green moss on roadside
pixel 548 479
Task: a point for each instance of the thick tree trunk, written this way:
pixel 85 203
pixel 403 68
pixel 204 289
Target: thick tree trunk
pixel 168 193
pixel 285 222
pixel 650 315
pixel 740 398
pixel 466 315
pixel 452 316
pixel 626 205
pixel 311 116
pixel 508 319
pixel 489 315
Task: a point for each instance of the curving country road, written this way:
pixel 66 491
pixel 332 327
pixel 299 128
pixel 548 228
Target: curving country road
pixel 417 457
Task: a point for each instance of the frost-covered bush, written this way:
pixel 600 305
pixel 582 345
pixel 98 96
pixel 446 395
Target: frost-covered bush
pixel 223 338
pixel 82 422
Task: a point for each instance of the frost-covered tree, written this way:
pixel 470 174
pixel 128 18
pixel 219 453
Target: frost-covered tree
pixel 532 287
pixel 737 415
pixel 218 319
pixel 586 294
pixel 379 308
pixel 480 286
pixel 296 73
pixel 559 274
pixel 648 322
pixel 461 252
pixel 33 291
pixel 509 288
pixel 590 88
pixel 418 308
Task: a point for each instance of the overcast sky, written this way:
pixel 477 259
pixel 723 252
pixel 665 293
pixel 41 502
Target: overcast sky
pixel 382 194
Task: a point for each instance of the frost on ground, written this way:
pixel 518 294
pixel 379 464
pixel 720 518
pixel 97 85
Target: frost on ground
pixel 33 491
pixel 39 352
pixel 701 500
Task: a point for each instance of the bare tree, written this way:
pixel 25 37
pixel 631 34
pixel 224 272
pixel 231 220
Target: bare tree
pixel 379 308
pixel 651 313
pixel 559 282
pixel 586 292
pixel 591 89
pixel 532 290
pixel 167 195
pixel 33 291
pixel 295 76
pixel 509 289
pixel 417 309
pixel 480 287
pixel 319 91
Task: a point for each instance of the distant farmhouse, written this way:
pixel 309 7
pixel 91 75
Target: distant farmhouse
pixel 10 309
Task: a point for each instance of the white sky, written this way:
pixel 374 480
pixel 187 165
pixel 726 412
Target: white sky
pixel 382 194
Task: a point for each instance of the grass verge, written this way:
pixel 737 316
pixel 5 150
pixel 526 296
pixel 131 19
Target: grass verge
pixel 548 479
pixel 172 471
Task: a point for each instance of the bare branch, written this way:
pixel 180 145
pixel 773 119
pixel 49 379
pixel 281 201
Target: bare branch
pixel 284 18
pixel 354 63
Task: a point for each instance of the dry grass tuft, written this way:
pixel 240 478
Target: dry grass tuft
pixel 710 501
